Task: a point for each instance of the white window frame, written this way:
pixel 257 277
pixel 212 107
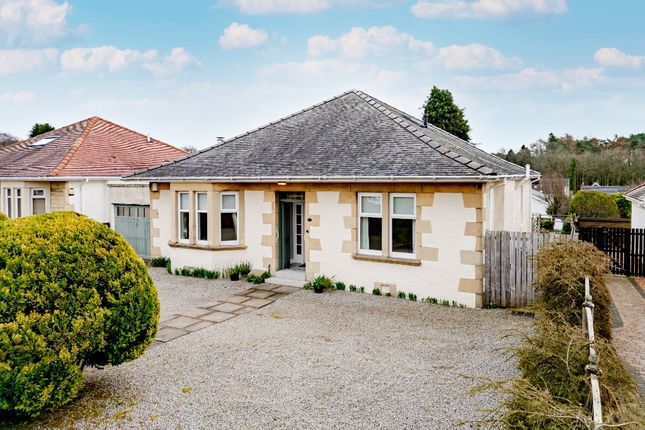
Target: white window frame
pixel 17 196
pixel 197 224
pixel 235 211
pixel 179 212
pixel 361 214
pixel 7 198
pixel 414 225
pixel 33 197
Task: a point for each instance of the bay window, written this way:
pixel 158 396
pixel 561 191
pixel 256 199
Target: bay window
pixel 229 218
pixel 370 223
pixel 402 228
pixel 183 205
pixel 202 217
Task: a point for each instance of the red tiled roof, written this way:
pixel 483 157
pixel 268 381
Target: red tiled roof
pixel 92 147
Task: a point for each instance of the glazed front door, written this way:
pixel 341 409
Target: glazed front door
pixel 297 233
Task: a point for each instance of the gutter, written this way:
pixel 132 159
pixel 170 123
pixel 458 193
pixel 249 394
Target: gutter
pixel 299 179
pixel 60 178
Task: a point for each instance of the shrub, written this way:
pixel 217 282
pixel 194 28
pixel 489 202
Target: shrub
pixel 258 279
pixel 159 262
pixel 566 226
pixel 361 289
pixel 562 268
pixel 3 217
pixel 340 286
pixel 169 266
pixel 352 288
pixel 73 293
pixel 593 204
pixel 323 281
pixel 624 205
pixel 400 295
pixel 546 224
pixel 376 292
pixel 244 268
pixel 412 296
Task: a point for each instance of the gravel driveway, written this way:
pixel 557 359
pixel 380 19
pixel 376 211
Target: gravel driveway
pixel 335 361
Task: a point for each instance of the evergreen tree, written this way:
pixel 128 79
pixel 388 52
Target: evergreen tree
pixel 442 112
pixel 40 129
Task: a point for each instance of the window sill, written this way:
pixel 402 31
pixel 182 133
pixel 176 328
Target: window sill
pixel 206 247
pixel 389 260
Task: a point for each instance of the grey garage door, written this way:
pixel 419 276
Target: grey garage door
pixel 133 222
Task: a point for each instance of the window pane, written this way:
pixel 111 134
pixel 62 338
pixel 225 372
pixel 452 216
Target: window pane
pixel 371 233
pixel 202 227
pixel 403 235
pixel 403 206
pixel 184 228
pixel 228 201
pixel 371 205
pixel 201 202
pixel 38 193
pixel 229 226
pixel 183 201
pixel 39 206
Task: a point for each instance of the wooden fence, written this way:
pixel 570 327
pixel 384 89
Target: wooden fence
pixel 625 246
pixel 510 267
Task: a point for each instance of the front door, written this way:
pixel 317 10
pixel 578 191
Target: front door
pixel 296 234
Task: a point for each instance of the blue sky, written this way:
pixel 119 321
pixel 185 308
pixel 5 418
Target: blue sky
pixel 186 72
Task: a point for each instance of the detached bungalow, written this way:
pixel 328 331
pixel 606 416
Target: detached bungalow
pixel 351 188
pixel 78 168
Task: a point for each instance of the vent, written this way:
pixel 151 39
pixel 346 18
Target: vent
pixel 44 141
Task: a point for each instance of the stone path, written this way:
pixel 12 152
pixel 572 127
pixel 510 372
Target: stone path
pixel 629 326
pixel 219 311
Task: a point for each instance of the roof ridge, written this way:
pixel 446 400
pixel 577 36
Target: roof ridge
pixel 231 139
pixel 75 146
pixel 414 130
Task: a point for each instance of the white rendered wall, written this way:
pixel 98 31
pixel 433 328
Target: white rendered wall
pixel 438 279
pixel 508 205
pixel 638 216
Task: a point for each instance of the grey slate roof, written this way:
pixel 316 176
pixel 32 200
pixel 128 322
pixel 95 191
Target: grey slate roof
pixel 637 193
pixel 352 135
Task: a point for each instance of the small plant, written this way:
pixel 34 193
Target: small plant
pixel 490 305
pixel 185 271
pixel 177 272
pixel 244 268
pixel 307 286
pixel 352 288
pixel 258 279
pixel 376 292
pixel 412 297
pixel 233 273
pixel 388 294
pixel 159 262
pixel 445 302
pixel 400 295
pixel 361 289
pixel 169 266
pixel 340 286
pixel 321 283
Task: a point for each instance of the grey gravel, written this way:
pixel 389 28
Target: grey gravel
pixel 337 360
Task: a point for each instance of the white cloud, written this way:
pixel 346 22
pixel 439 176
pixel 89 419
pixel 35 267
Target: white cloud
pixel 178 60
pixel 263 7
pixel 360 42
pixel 103 57
pixel 242 36
pixel 530 78
pixel 25 60
pixel 612 57
pixel 474 56
pixel 482 9
pixel 33 21
pixel 17 98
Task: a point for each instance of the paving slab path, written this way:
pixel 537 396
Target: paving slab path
pixel 217 311
pixel 629 325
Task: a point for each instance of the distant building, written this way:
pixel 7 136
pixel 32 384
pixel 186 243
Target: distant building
pixel 607 189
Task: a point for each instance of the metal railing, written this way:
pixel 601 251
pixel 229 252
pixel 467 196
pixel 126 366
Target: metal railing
pixel 592 367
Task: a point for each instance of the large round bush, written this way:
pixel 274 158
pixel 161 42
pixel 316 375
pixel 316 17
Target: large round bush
pixel 73 293
pixel 594 204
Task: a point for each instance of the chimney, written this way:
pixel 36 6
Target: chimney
pixel 425 119
pixel 148 138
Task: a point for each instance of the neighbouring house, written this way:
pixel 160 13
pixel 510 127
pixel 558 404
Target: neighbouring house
pixel 78 168
pixel 637 197
pixel 351 188
pixel 607 189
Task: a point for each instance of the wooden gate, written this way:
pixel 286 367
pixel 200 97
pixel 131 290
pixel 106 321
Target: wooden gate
pixel 510 266
pixel 625 246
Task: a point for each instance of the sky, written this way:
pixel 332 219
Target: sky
pixel 187 72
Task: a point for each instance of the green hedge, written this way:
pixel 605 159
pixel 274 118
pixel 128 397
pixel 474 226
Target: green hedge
pixel 73 293
pixel 3 217
pixel 594 204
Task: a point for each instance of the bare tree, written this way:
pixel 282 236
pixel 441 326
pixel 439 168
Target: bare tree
pixel 554 186
pixel 6 139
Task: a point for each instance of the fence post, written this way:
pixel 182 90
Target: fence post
pixel 592 367
pixel 627 234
